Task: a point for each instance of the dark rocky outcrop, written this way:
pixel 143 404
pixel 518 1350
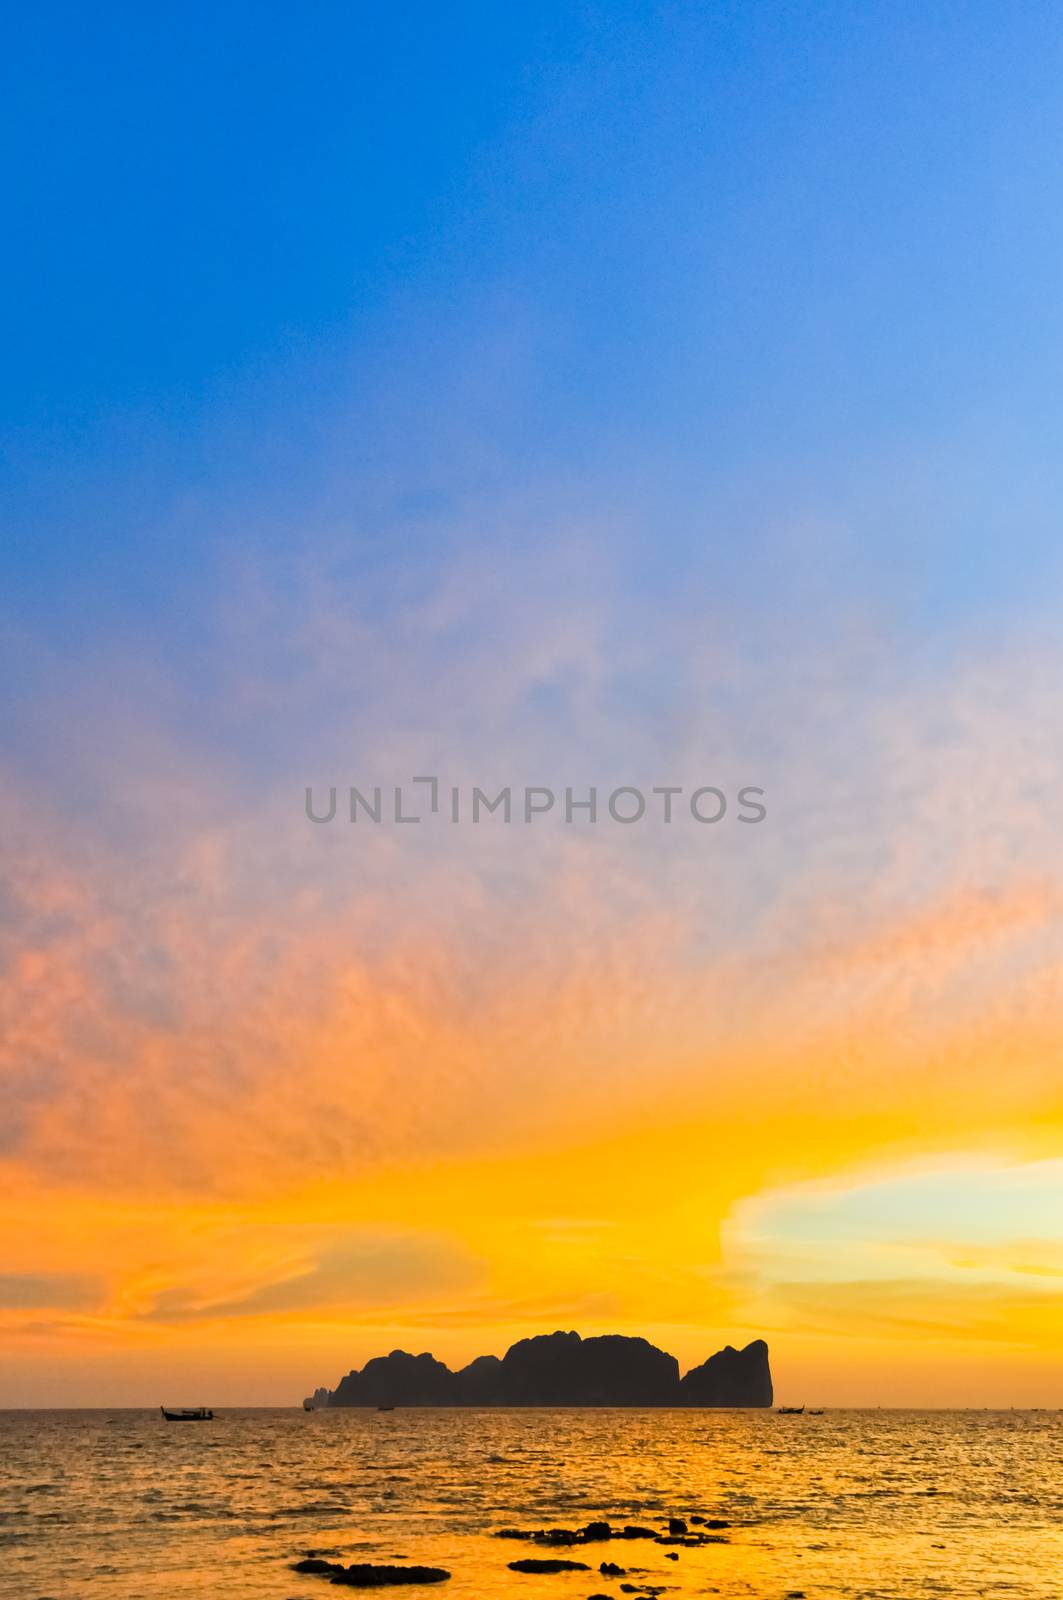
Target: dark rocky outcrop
pixel 561 1369
pixel 364 1575
pixel 370 1575
pixel 529 1564
pixel 397 1379
pixel 730 1378
pixel 480 1383
pixel 601 1532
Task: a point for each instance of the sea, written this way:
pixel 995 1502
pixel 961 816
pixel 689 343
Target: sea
pixel 116 1505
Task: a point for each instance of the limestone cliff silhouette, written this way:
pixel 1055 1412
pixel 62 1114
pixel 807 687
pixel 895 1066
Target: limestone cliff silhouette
pixel 561 1369
pixel 730 1378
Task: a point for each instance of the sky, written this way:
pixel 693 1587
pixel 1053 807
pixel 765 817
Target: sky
pixel 562 396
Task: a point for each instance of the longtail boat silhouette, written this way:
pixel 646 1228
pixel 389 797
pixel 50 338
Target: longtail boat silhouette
pixel 188 1414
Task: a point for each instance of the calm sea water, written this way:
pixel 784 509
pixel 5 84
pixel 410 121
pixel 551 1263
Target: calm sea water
pixel 112 1505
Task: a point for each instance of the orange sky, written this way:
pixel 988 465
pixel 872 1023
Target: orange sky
pixel 281 1097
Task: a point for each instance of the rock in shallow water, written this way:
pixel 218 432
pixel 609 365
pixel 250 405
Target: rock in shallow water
pixel 532 1565
pixel 591 1533
pixel 369 1575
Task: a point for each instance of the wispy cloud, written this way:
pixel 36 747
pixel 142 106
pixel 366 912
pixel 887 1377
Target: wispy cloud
pixel 49 1290
pixel 205 996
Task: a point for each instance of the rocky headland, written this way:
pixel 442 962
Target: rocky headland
pixel 561 1369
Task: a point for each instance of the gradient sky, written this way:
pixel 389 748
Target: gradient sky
pixel 566 395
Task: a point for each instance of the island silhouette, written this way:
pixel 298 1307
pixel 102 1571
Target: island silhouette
pixel 559 1369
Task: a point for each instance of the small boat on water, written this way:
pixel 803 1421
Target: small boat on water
pixel 188 1414
pixel 385 1408
pixel 791 1411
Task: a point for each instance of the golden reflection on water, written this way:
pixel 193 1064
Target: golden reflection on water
pixel 115 1505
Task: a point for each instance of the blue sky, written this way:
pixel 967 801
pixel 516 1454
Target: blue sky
pixel 725 258
pixel 625 333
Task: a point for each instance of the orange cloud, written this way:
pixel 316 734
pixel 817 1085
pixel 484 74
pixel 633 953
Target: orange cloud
pixel 542 1066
